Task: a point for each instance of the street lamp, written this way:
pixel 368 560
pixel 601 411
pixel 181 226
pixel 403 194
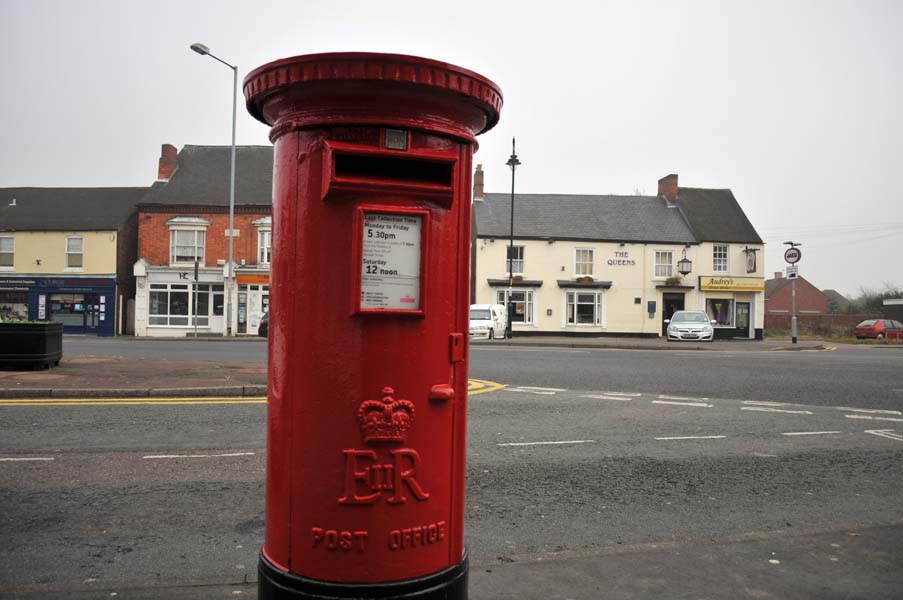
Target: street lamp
pixel 205 51
pixel 684 265
pixel 793 296
pixel 513 163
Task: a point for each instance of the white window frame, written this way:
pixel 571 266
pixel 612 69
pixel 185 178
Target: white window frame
pixel 572 300
pixel 501 297
pixel 80 254
pixel 517 264
pixel 170 319
pixel 587 266
pixel 264 240
pixel 664 270
pixel 720 258
pixel 12 253
pixel 196 225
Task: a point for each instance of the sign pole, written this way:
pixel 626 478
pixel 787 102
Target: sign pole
pixel 194 295
pixel 793 255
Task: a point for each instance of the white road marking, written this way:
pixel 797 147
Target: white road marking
pixel 634 395
pixel 534 392
pixel 156 456
pixel 810 432
pixel 700 404
pixel 605 397
pixel 776 410
pixel 22 459
pixel 870 418
pixel 694 437
pixel 548 443
pixel 679 398
pixel 763 403
pixel 541 389
pixel 870 410
pixel 886 433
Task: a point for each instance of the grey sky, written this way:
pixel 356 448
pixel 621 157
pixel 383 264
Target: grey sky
pixel 795 106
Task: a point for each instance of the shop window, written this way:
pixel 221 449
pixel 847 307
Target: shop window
pixel 584 308
pixel 13 306
pixel 169 304
pixel 68 309
pixel 720 310
pixel 7 252
pixel 583 262
pixel 664 263
pixel 515 260
pixel 523 304
pixel 75 256
pixel 719 259
pixel 187 237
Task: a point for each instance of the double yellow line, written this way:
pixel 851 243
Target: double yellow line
pixel 474 387
pixel 128 401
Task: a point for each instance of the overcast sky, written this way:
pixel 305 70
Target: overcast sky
pixel 795 106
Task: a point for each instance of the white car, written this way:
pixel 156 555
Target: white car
pixel 690 325
pixel 487 321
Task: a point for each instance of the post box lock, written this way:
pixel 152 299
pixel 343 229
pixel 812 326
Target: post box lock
pixel 442 392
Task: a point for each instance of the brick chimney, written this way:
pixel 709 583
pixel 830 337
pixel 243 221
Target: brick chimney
pixel 778 274
pixel 169 161
pixel 478 184
pixel 667 187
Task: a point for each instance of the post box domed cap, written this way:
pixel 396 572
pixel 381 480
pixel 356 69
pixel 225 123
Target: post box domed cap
pixel 338 78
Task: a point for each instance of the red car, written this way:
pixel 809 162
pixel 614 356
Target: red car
pixel 879 329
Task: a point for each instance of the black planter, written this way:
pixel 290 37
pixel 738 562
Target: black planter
pixel 31 344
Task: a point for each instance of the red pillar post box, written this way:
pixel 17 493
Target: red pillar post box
pixel 369 322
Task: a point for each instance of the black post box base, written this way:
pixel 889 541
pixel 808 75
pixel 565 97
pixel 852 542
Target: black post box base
pixel 276 584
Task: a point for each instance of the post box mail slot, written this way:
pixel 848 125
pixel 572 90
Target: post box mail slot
pixel 369 314
pixel 356 168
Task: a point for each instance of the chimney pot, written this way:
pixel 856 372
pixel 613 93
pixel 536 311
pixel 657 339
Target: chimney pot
pixel 478 184
pixel 778 274
pixel 667 187
pixel 169 161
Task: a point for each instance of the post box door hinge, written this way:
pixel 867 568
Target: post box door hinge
pixel 456 347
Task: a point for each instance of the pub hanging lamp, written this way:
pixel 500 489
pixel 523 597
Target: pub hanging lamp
pixel 684 265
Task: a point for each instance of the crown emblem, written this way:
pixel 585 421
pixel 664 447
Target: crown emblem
pixel 385 420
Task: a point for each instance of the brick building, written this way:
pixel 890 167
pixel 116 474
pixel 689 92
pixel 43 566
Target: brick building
pixel 779 297
pixel 183 221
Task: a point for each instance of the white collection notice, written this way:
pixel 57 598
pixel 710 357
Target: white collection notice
pixel 390 266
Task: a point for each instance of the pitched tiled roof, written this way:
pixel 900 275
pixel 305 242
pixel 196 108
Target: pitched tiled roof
pixel 202 177
pixel 574 217
pixel 67 209
pixel 715 216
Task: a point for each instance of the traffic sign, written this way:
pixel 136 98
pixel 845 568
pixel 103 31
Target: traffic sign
pixel 793 255
pixel 793 272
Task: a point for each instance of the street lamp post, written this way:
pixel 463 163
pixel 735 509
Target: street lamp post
pixel 513 163
pixel 205 51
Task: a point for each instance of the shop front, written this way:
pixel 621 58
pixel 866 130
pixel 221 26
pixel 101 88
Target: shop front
pixel 736 304
pixel 82 305
pixel 171 302
pixel 253 300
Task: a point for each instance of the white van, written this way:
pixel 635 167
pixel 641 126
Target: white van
pixel 487 321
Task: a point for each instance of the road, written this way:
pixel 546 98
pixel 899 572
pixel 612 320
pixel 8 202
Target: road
pixel 673 484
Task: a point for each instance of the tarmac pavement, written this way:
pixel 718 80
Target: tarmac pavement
pixel 118 377
pixel 769 565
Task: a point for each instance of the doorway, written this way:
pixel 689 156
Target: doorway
pixel 743 319
pixel 671 303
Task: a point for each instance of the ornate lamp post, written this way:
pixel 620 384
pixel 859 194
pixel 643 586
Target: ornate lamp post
pixel 513 162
